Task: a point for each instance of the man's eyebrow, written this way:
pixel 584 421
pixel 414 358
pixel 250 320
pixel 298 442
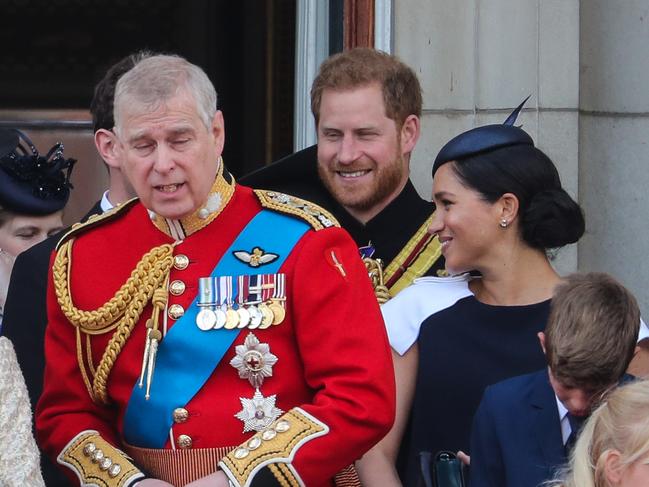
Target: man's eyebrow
pixel 181 130
pixel 174 132
pixel 137 136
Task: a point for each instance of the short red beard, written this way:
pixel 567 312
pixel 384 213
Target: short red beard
pixel 388 180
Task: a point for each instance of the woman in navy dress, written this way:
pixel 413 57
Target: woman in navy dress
pixel 500 207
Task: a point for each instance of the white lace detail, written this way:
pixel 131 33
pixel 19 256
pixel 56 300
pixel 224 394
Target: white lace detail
pixel 19 456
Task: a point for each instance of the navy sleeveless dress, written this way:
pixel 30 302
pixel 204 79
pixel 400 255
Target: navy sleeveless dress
pixel 463 349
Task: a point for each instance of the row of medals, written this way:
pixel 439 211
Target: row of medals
pixel 249 314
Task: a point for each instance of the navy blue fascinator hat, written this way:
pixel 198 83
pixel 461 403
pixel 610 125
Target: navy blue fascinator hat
pixel 498 159
pixel 30 183
pixel 484 139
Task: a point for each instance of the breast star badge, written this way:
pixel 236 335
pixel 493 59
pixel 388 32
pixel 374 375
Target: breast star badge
pixel 259 412
pixel 255 258
pixel 254 361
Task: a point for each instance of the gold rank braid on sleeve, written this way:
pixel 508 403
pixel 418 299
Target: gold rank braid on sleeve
pixel 120 313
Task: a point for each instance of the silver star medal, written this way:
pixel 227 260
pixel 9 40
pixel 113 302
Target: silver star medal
pixel 254 362
pixel 259 412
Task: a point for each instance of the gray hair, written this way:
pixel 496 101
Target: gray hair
pixel 156 79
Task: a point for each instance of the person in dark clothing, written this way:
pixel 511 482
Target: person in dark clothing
pixel 25 311
pixel 525 427
pixel 500 205
pixel 367 106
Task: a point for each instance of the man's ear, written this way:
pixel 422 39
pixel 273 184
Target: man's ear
pixel 613 468
pixel 410 131
pixel 218 131
pixel 106 144
pixel 541 336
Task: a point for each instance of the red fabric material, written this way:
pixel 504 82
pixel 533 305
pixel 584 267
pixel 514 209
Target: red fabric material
pixel 334 358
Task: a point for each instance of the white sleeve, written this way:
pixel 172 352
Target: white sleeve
pixel 644 331
pixel 426 296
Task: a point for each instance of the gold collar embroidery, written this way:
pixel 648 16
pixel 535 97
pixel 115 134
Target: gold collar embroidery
pixel 217 200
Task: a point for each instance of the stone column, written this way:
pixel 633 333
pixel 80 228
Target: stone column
pixel 613 137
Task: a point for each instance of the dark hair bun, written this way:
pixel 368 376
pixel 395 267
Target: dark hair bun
pixel 552 219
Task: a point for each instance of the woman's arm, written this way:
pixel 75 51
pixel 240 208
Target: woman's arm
pixel 377 466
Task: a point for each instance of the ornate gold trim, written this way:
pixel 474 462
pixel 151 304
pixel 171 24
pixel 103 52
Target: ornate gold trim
pixel 313 214
pixel 284 475
pixel 120 313
pixel 417 267
pixel 276 445
pixel 95 220
pixel 193 223
pixel 98 463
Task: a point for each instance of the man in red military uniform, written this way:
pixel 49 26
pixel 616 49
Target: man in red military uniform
pixel 207 323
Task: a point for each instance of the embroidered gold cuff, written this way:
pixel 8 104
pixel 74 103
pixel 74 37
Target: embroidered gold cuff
pixel 96 462
pixel 276 445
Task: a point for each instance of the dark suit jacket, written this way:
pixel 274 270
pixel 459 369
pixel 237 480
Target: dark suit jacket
pixel 24 324
pixel 389 231
pixel 516 436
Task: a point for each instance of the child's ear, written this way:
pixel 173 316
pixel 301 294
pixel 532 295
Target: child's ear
pixel 613 467
pixel 541 336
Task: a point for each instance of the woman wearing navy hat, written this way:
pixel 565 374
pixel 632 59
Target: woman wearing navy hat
pixel 500 207
pixel 33 191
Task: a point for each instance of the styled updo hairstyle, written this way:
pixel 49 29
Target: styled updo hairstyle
pixel 548 216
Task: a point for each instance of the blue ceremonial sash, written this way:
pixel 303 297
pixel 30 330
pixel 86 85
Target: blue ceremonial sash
pixel 187 356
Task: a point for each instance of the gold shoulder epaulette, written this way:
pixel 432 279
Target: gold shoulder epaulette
pixel 313 214
pixel 95 220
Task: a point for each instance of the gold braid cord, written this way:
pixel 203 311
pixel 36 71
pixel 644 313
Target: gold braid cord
pixel 375 271
pixel 120 313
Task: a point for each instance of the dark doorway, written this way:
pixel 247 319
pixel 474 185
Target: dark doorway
pixel 55 50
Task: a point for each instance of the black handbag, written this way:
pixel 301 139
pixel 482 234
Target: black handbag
pixel 441 470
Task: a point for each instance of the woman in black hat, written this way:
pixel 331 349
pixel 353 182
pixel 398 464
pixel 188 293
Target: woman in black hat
pixel 500 207
pixel 33 191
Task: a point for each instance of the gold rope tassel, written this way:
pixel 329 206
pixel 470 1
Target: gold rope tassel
pixel 120 313
pixel 375 271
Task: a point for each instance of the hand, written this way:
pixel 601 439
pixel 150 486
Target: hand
pixel 217 479
pixel 152 483
pixel 464 458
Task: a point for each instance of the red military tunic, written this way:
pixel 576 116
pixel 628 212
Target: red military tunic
pixel 333 375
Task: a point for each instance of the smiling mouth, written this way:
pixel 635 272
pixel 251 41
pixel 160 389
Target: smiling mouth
pixel 444 242
pixel 352 174
pixel 168 188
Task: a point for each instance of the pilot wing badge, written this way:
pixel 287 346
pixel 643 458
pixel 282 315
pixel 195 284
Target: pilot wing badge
pixel 257 257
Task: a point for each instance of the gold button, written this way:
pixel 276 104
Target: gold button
pixel 184 441
pixel 177 288
pixel 180 415
pixel 181 261
pixel 176 311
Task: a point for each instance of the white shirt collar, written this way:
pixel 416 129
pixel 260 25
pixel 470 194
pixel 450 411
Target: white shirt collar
pixel 105 202
pixel 563 417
